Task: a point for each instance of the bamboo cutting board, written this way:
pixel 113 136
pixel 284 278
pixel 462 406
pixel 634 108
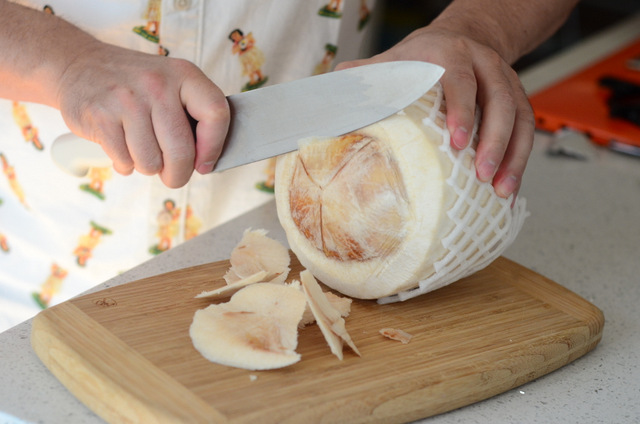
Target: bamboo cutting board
pixel 126 352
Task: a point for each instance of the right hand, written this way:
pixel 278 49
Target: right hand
pixel 137 107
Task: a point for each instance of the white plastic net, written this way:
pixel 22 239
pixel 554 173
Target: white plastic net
pixel 484 224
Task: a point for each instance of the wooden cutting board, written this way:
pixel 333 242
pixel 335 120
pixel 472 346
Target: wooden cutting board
pixel 126 352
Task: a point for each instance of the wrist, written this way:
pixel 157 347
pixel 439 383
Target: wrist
pixel 37 49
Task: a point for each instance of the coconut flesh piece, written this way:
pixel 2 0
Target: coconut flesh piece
pixel 341 304
pixel 229 289
pixel 396 334
pixel 256 252
pixel 391 211
pixel 256 330
pixel 327 317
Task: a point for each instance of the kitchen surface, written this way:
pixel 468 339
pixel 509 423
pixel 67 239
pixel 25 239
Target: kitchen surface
pixel 583 233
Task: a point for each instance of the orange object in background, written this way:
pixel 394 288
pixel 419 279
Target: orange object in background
pixel 579 102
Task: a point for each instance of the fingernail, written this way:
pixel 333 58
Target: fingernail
pixel 486 170
pixel 507 186
pixel 206 167
pixel 460 138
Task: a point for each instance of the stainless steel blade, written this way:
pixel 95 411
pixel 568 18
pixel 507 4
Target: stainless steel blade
pixel 269 121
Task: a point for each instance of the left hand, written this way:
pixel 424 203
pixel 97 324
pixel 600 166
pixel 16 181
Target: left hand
pixel 475 74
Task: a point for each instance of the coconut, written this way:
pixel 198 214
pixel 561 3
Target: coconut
pixel 391 211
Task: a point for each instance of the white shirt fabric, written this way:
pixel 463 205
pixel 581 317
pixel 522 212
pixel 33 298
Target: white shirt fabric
pixel 61 234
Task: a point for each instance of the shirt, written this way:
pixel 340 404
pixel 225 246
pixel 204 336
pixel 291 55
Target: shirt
pixel 60 234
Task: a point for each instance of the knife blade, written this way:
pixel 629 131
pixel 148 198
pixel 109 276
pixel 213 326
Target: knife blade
pixel 270 121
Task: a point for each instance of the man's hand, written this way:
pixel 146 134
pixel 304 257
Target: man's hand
pixel 138 108
pixel 475 74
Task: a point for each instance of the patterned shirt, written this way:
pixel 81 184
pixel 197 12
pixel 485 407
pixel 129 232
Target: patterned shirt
pixel 61 234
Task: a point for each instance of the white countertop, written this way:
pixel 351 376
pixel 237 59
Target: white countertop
pixel 583 232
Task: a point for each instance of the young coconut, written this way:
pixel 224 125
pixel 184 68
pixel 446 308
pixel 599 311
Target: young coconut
pixel 256 330
pixel 391 211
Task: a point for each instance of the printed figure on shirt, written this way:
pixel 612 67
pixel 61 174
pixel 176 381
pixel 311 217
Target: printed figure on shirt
pixel 365 14
pixel 9 171
pixel 4 244
pixel 325 64
pixel 269 184
pixel 251 58
pixel 29 132
pixel 51 286
pixel 151 30
pixel 192 224
pixel 87 242
pixel 333 9
pixel 168 228
pixel 97 177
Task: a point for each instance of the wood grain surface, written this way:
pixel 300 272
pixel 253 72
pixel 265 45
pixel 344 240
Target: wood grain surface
pixel 126 352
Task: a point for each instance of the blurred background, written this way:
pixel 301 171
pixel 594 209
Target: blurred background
pixel 397 18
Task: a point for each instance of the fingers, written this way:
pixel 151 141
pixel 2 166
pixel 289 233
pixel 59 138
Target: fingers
pixel 495 130
pixel 506 132
pixel 141 144
pixel 353 63
pixel 460 87
pixel 509 175
pixel 175 145
pixel 208 106
pixel 102 128
pixel 475 75
pixel 144 123
pixel 480 77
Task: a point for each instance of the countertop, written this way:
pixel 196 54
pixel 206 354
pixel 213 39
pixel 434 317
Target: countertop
pixel 583 232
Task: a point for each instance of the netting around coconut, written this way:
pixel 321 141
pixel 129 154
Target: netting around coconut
pixel 485 224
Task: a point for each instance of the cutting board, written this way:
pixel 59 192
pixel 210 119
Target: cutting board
pixel 126 352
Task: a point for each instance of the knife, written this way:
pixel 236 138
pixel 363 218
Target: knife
pixel 270 121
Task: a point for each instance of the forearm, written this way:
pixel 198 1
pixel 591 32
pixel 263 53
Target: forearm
pixel 36 49
pixel 511 27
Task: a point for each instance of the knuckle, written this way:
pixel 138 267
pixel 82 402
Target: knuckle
pixel 183 158
pixel 124 96
pixel 464 76
pixel 460 45
pixel 126 163
pixel 504 98
pixel 494 59
pixel 123 167
pixel 214 106
pixel 182 64
pixel 527 121
pixel 101 127
pixel 154 82
pixel 174 181
pixel 180 154
pixel 221 108
pixel 149 165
